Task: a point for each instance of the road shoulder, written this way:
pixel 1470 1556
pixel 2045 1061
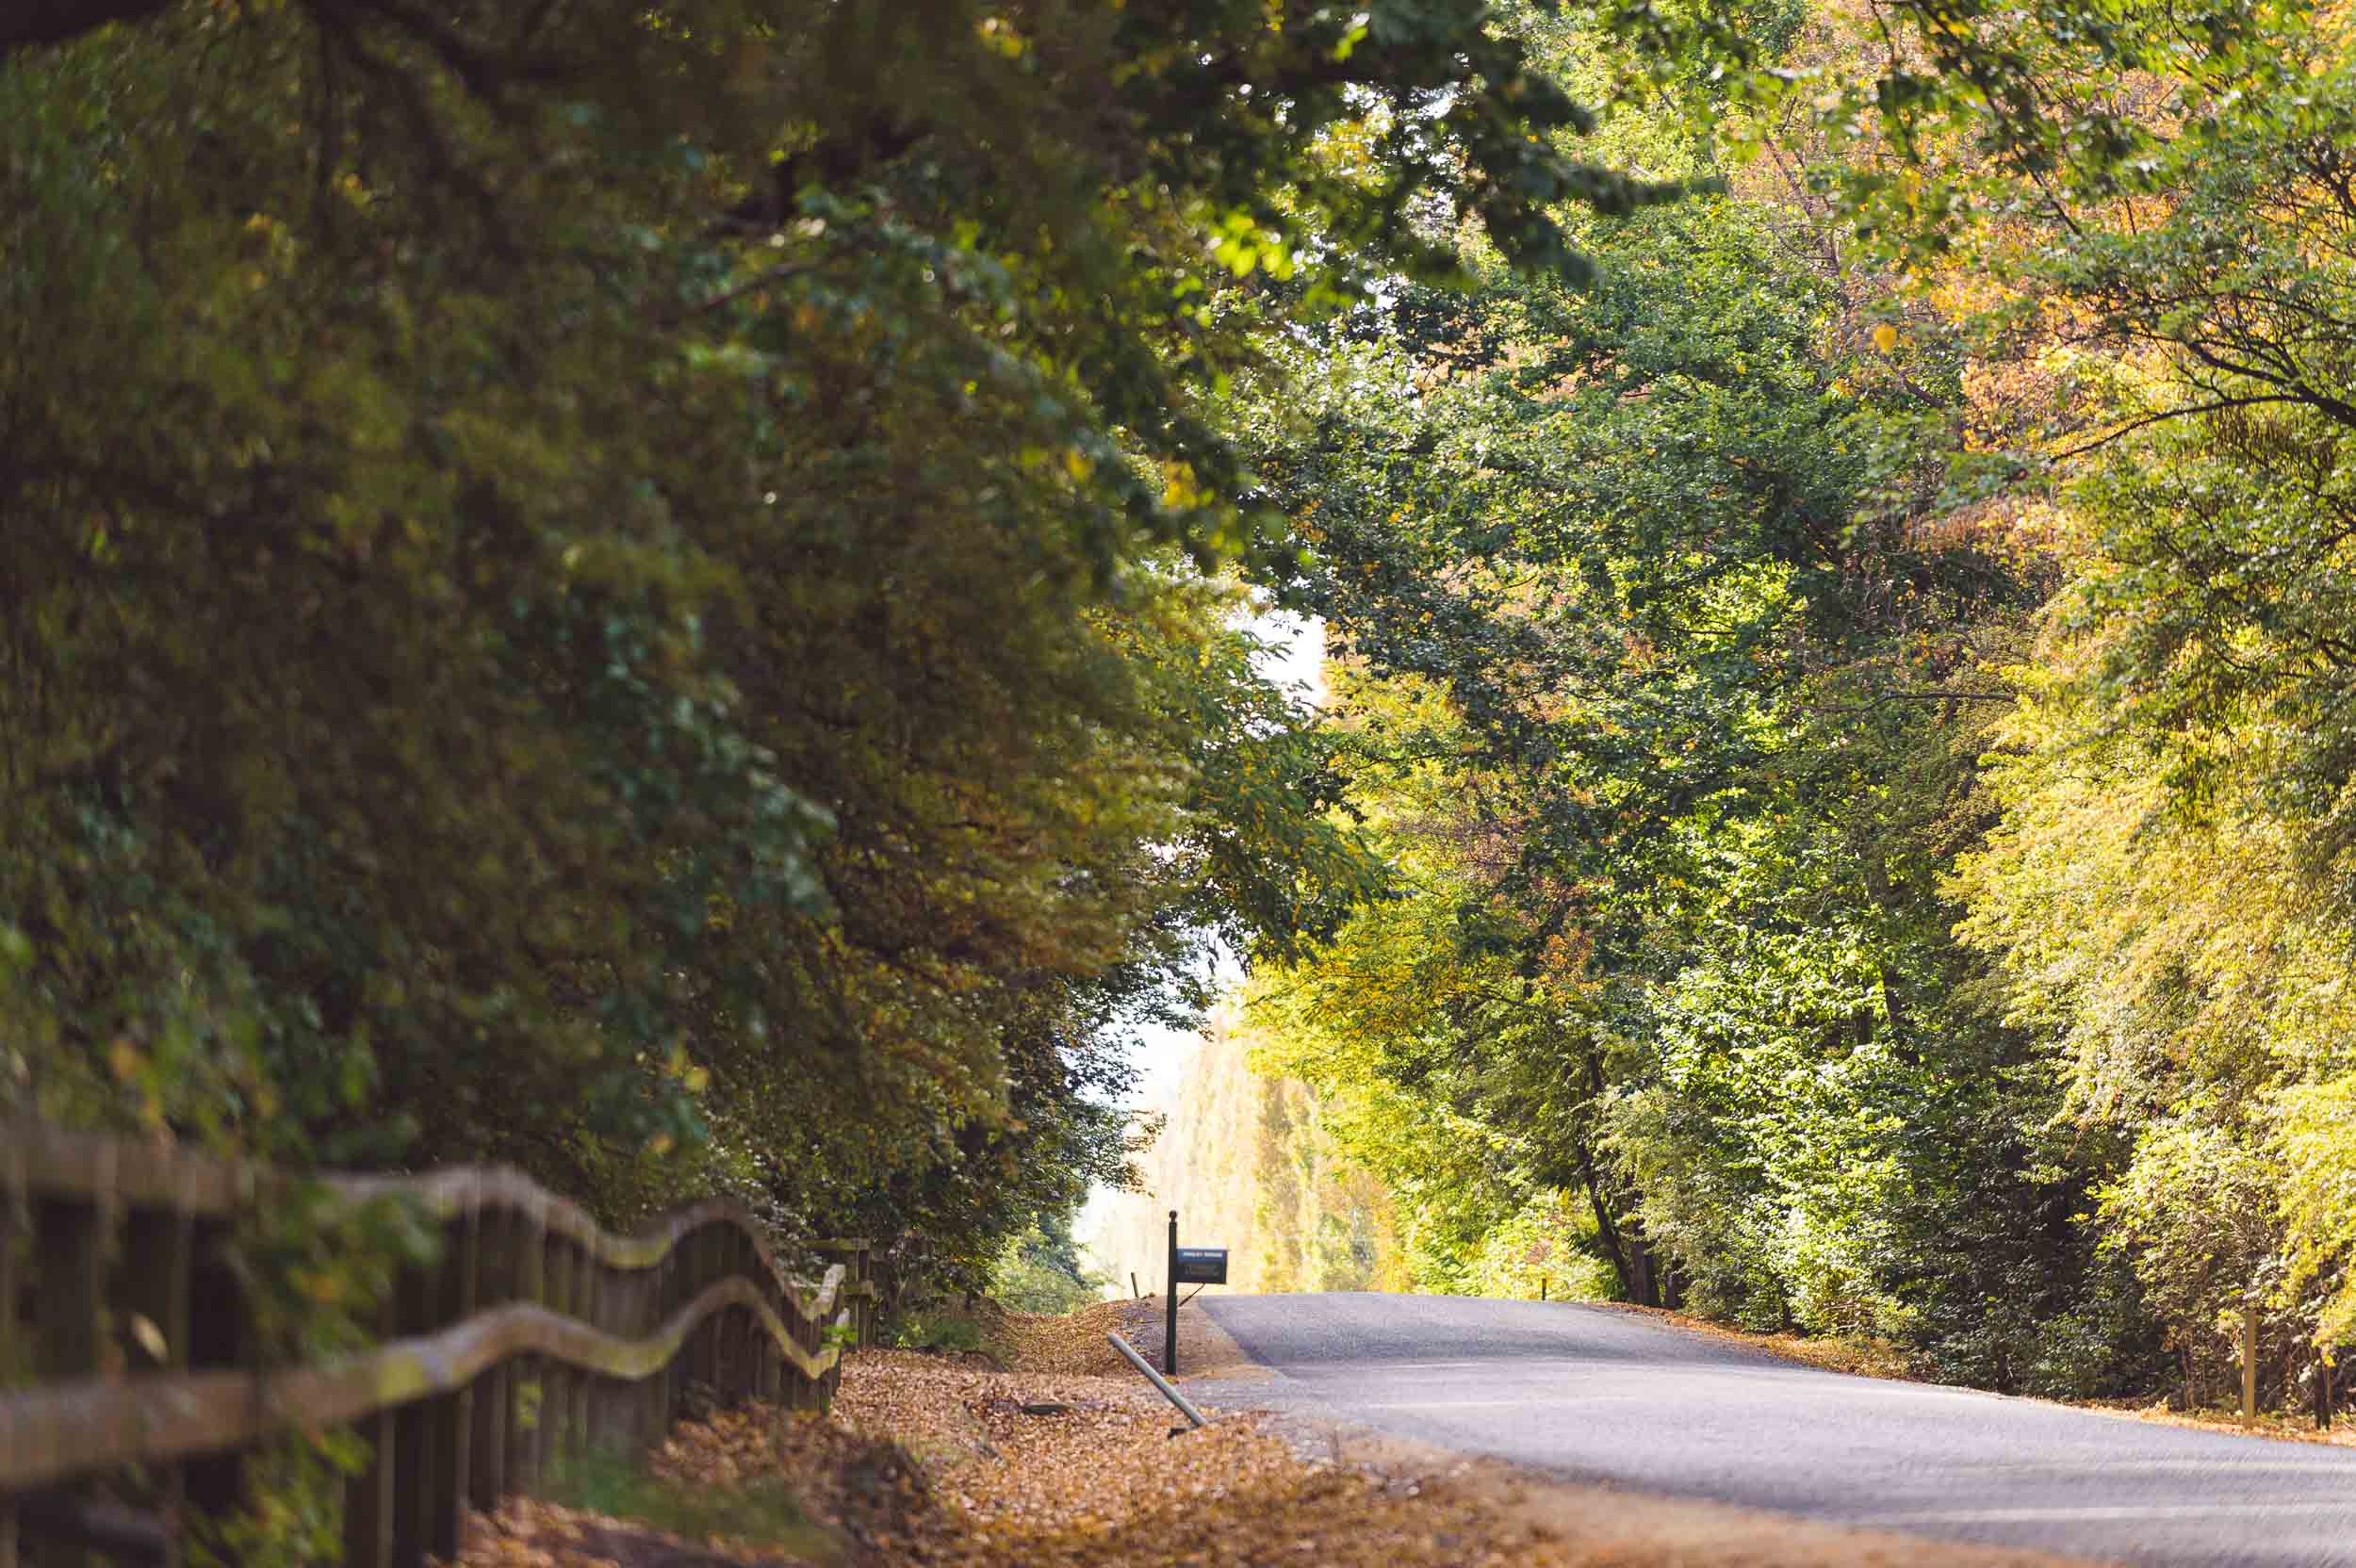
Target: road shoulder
pixel 1860 1357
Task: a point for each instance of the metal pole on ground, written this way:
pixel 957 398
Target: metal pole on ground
pixel 1184 1405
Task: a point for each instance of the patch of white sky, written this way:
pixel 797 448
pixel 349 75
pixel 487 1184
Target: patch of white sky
pixel 1292 656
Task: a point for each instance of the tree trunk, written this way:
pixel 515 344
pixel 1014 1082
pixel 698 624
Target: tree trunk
pixel 1607 1223
pixel 1644 1285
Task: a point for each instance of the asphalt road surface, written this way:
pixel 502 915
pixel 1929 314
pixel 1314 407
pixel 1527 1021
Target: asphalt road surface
pixel 1592 1394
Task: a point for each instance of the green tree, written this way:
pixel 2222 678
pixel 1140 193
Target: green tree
pixel 1666 704
pixel 620 591
pixel 1041 1271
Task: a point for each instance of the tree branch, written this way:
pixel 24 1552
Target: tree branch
pixel 2215 406
pixel 1928 696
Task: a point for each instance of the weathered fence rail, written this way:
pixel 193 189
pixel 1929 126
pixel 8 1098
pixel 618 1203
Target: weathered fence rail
pixel 131 1379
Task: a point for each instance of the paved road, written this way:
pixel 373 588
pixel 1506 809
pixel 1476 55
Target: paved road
pixel 1599 1396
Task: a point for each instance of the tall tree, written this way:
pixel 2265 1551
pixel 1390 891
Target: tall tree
pixel 621 590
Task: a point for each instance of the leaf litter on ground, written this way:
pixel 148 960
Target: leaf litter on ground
pixel 931 1462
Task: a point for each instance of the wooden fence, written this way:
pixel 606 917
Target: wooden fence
pixel 131 1384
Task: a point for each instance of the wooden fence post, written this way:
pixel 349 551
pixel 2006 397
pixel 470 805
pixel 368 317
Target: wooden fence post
pixel 556 1378
pixel 646 1315
pixel 743 1377
pixel 67 1306
pixel 624 1418
pixel 703 1361
pixel 453 1414
pixel 525 1439
pixel 584 1308
pixel 219 1334
pixel 159 1248
pixel 726 1325
pixel 16 1224
pixel 772 1360
pixel 66 1309
pixel 414 1426
pixel 2250 1356
pixel 657 1389
pixel 495 1234
pixel 667 1380
pixel 15 1352
pixel 368 1503
pixel 609 1414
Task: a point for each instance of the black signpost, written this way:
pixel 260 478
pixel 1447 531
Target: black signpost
pixel 1189 1266
pixel 1169 1317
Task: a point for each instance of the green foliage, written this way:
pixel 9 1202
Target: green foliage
pixel 1662 702
pixel 292 1511
pixel 621 605
pixel 939 1331
pixel 315 1271
pixel 1675 614
pixel 2318 1200
pixel 1610 574
pixel 2168 890
pixel 642 595
pixel 628 591
pixel 1547 1245
pixel 1040 1271
pixel 1319 1220
pixel 1720 749
pixel 2190 975
pixel 312 1267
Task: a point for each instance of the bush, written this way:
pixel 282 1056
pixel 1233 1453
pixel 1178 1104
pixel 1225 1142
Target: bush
pixel 1042 1272
pixel 937 1332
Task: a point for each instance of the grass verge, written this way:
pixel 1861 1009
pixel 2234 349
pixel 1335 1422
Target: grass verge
pixel 760 1510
